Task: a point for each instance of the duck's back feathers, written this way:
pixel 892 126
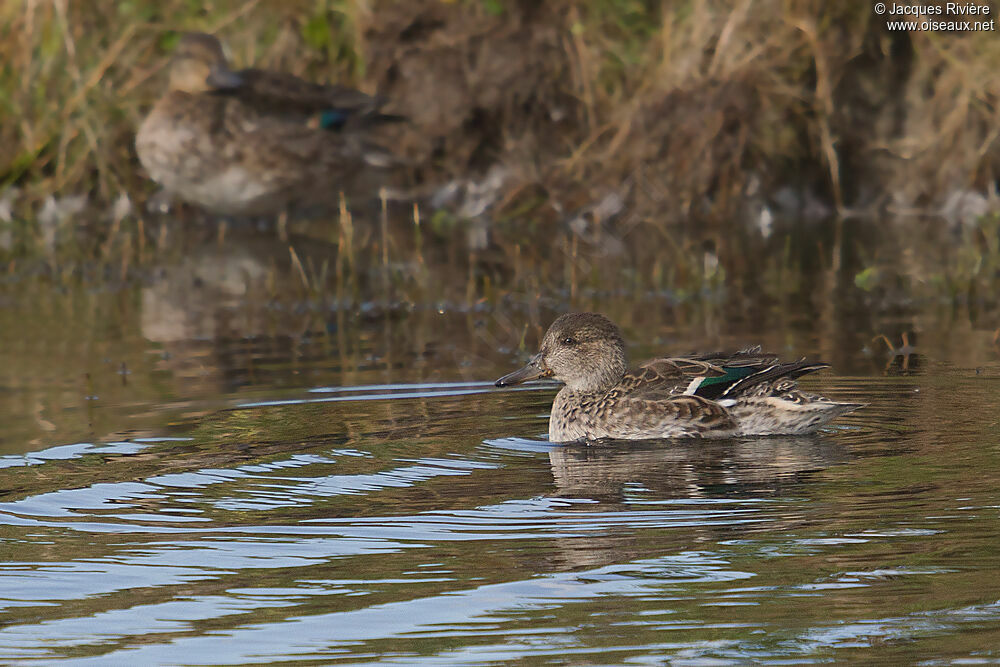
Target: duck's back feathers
pixel 713 376
pixel 659 379
pixel 750 386
pixel 330 107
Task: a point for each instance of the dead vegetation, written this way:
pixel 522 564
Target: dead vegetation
pixel 701 122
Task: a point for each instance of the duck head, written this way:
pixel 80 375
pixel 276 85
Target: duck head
pixel 583 350
pixel 199 65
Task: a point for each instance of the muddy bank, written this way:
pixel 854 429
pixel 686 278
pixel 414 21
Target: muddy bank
pixel 694 111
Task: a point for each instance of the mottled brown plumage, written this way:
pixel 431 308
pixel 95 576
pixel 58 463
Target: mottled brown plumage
pixel 705 395
pixel 255 142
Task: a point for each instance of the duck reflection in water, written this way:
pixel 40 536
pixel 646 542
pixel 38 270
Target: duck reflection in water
pixel 702 486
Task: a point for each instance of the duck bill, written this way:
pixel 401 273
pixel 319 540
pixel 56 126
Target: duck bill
pixel 533 371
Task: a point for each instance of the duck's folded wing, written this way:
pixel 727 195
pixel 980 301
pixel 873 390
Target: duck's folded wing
pixel 652 399
pixel 776 378
pixel 286 90
pixel 281 143
pixel 324 106
pixel 750 371
pixel 749 357
pixel 658 379
pixel 717 375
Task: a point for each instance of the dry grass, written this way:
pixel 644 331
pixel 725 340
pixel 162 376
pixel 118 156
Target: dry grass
pixel 693 113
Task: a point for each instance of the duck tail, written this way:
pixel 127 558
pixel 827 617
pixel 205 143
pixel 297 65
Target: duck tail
pixel 793 413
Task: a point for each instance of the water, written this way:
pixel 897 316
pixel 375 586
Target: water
pixel 189 476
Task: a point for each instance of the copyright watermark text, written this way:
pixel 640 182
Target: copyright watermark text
pixel 948 16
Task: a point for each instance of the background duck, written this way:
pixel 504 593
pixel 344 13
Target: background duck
pixel 256 142
pixel 709 395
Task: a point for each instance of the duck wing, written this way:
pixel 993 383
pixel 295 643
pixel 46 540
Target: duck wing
pixel 749 372
pixel 288 96
pixel 659 379
pixel 719 394
pixel 651 400
pixel 288 150
pixel 717 375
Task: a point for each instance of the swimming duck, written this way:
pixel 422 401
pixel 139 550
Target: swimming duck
pixel 707 395
pixel 255 142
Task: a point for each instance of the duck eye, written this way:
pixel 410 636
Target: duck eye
pixel 569 340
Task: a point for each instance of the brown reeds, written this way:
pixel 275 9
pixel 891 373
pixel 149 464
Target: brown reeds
pixel 695 114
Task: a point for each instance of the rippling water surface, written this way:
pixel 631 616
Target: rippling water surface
pixel 361 493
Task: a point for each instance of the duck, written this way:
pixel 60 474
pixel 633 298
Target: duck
pixel 255 142
pixel 713 395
